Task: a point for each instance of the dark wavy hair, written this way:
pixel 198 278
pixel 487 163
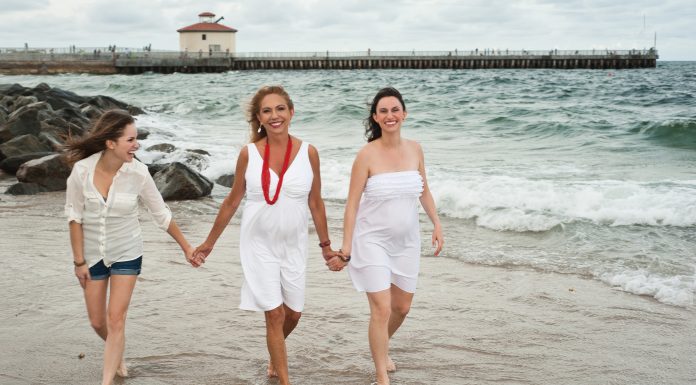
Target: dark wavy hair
pixel 254 108
pixel 372 129
pixel 109 126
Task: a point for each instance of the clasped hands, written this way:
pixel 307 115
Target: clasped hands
pixel 196 256
pixel 335 260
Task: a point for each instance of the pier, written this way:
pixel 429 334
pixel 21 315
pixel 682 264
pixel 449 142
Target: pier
pixel 97 61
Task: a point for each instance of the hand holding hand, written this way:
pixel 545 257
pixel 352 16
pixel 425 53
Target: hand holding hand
pixel 335 263
pixel 191 258
pixel 201 252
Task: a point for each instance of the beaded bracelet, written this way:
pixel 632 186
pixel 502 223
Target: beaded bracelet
pixel 325 243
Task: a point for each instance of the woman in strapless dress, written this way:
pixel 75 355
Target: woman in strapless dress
pixel 381 236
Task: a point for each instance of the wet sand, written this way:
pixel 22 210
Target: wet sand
pixel 469 324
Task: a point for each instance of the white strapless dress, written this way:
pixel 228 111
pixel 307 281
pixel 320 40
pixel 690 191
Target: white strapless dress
pixel 386 239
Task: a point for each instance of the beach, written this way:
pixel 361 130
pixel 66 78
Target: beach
pixel 469 324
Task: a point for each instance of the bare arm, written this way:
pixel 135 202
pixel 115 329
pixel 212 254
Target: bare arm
pixel 358 180
pixel 178 236
pixel 229 205
pixel 77 244
pixel 428 204
pixel 316 205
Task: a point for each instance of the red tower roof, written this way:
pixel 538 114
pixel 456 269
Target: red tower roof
pixel 204 14
pixel 206 27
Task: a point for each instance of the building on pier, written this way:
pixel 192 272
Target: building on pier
pixel 207 36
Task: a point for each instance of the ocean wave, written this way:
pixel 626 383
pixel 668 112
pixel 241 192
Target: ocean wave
pixel 674 290
pixel 520 205
pixel 676 133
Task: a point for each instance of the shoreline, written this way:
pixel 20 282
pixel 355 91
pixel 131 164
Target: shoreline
pixel 469 324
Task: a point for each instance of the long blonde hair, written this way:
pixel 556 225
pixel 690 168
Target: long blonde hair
pixel 254 108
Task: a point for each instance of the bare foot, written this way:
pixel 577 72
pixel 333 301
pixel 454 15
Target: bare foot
pixel 391 367
pixel 271 370
pixel 122 370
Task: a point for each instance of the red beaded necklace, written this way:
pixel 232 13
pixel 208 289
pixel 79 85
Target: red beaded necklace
pixel 266 174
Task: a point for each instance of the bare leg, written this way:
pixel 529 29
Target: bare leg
pixel 291 319
pixel 400 306
pixel 380 310
pixel 119 299
pixel 95 298
pixel 275 339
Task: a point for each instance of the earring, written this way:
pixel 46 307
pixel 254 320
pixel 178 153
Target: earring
pixel 261 127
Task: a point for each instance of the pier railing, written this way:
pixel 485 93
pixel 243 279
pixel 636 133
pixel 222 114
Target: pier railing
pixel 131 61
pixel 105 53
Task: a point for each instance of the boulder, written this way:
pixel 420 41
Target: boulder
pixel 25 189
pixel 12 89
pixel 50 172
pixel 162 147
pixel 21 101
pixel 57 93
pixel 4 113
pixel 55 131
pixel 24 121
pixel 154 168
pixel 199 151
pixel 74 116
pixel 11 164
pixel 41 87
pixel 108 103
pixel 143 133
pixel 21 145
pixel 225 180
pixel 178 182
pixel 90 111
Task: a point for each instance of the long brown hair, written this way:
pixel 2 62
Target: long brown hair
pixel 254 108
pixel 109 126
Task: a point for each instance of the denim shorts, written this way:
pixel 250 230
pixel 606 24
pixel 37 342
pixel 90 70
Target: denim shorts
pixel 99 271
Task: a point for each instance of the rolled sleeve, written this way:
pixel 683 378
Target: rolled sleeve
pixel 151 197
pixel 74 197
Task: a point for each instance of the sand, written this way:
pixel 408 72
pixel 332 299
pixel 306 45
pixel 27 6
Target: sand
pixel 469 324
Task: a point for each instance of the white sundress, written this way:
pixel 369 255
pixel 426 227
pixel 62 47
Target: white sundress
pixel 386 239
pixel 273 238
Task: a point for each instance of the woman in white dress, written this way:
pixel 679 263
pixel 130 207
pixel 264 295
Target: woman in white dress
pixel 381 235
pixel 279 174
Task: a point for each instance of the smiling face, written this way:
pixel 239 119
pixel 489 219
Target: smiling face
pixel 389 114
pixel 126 145
pixel 275 114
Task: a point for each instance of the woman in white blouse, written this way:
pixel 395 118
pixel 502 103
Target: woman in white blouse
pixel 102 210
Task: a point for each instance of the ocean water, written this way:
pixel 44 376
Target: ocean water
pixel 582 172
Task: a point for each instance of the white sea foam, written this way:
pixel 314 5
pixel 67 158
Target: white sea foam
pixel 519 204
pixel 675 290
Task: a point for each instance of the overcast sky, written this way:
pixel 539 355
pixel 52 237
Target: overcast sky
pixel 355 25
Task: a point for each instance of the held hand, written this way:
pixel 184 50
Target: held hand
pixel 335 263
pixel 190 258
pixel 202 252
pixel 82 274
pixel 438 240
pixel 327 253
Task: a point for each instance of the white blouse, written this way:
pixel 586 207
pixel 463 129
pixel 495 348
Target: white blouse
pixel 110 226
